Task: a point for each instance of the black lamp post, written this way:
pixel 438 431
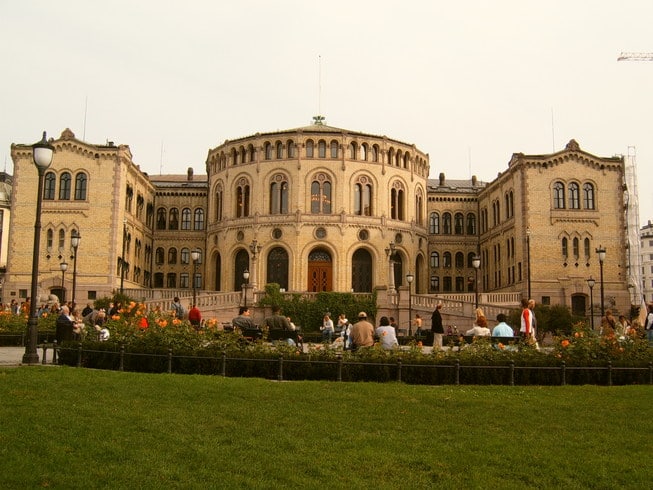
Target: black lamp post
pixel 122 258
pixel 409 280
pixel 476 263
pixel 195 256
pixel 245 285
pixel 591 282
pixel 42 153
pixel 63 267
pixel 74 240
pixel 601 252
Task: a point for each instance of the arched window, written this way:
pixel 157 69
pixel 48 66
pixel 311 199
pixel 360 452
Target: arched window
pixel 80 187
pixel 459 224
pixel 279 195
pixel 184 256
pixel 565 247
pixel 460 260
pixel 242 199
pixel 218 203
pixel 352 151
pixel 434 224
pixel 361 271
pixel 434 260
pixel 49 239
pixel 558 195
pixel 172 256
pixel 185 219
pixel 574 196
pixel 363 197
pixel 419 202
pixel 363 155
pixel 279 150
pixel 161 219
pixel 278 262
pixel 321 149
pixel 321 195
pixel 586 246
pixel 291 149
pixel 471 224
pixel 588 196
pixel 198 219
pixel 397 201
pixel 576 245
pixel 309 149
pixel 446 260
pixel 49 186
pixel 64 186
pixel 173 223
pixel 62 240
pixel 470 260
pixel 375 153
pixel 267 148
pixel 159 256
pixel 446 223
pixel 334 149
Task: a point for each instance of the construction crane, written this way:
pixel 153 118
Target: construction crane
pixel 626 56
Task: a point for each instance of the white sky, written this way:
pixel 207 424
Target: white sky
pixel 469 82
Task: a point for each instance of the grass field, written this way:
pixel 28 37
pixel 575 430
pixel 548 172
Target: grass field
pixel 77 428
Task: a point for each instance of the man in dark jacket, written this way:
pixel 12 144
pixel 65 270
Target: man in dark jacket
pixel 64 326
pixel 436 327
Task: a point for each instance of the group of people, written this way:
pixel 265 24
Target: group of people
pixel 74 325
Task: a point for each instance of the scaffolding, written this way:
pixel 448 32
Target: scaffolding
pixel 632 226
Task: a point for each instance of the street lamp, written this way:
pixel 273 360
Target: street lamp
pixel 63 266
pixel 409 280
pixel 476 263
pixel 42 153
pixel 122 258
pixel 195 256
pixel 601 252
pixel 591 282
pixel 246 277
pixel 528 260
pixel 74 241
pixel 255 249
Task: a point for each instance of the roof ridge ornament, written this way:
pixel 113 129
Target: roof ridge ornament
pixel 318 120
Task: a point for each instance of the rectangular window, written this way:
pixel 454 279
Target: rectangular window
pixel 546 300
pixel 92 295
pixel 184 280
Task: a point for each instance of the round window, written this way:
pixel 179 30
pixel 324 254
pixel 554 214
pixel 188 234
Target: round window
pixel 320 233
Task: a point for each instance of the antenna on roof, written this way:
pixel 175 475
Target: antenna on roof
pixel 318 120
pixel 85 111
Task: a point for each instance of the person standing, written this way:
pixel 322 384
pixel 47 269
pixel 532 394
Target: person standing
pixel 362 332
pixel 526 328
pixel 195 317
pixel 437 327
pixel 648 325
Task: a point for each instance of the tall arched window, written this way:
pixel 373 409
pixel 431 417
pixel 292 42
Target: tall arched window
pixel 291 149
pixel 321 149
pixel 458 224
pixel 279 195
pixel 419 204
pixel 267 149
pixel 363 197
pixel 363 155
pixel 278 262
pixel 586 246
pixel 460 260
pixel 80 186
pixel 309 149
pixel 574 196
pixel 471 224
pixel 279 150
pixel 159 256
pixel 198 219
pixel 218 203
pixel 446 223
pixel 49 186
pixel 446 260
pixel 173 223
pixel 172 256
pixel 375 153
pixel 321 195
pixel 558 195
pixel 565 247
pixel 397 201
pixel 352 151
pixel 362 271
pixel 64 186
pixel 434 224
pixel 576 245
pixel 588 196
pixel 434 260
pixel 161 219
pixel 184 256
pixel 334 149
pixel 242 199
pixel 62 240
pixel 185 219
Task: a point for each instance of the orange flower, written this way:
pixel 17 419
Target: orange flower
pixel 577 335
pixel 176 321
pixel 162 323
pixel 419 344
pixel 115 317
pixel 564 343
pixel 501 346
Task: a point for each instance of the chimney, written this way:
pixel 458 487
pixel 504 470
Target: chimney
pixel 190 173
pixel 474 180
pixel 441 178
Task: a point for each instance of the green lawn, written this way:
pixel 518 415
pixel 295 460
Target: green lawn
pixel 74 428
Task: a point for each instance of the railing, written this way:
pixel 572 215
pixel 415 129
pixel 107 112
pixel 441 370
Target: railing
pixel 340 364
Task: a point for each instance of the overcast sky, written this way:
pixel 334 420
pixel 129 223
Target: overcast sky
pixel 469 82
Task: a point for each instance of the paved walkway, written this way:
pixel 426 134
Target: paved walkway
pixel 13 356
